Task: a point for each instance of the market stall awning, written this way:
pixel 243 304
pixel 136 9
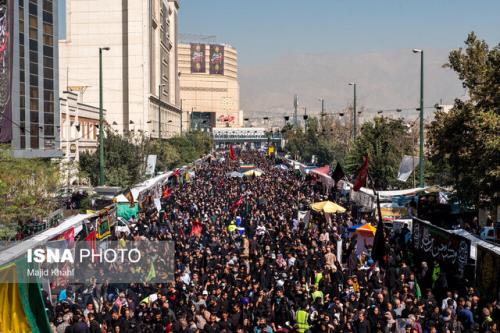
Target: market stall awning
pixel 327 207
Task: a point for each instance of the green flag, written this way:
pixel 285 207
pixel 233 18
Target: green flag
pixel 418 292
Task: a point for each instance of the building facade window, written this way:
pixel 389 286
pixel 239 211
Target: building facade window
pixel 22 82
pixel 48 71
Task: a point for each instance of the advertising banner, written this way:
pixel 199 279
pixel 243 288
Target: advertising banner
pixel 393 213
pixel 5 70
pixel 487 272
pixel 449 249
pixel 197 58
pixel 217 59
pixel 103 224
pixel 151 165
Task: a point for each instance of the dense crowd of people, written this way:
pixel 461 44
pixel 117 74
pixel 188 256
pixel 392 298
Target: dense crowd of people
pixel 272 272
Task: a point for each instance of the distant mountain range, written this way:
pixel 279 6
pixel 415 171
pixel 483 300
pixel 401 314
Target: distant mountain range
pixel 384 81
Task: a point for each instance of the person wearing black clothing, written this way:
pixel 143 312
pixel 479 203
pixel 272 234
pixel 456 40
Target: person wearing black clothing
pixel 235 318
pixel 362 325
pixel 212 326
pixel 94 326
pixel 79 326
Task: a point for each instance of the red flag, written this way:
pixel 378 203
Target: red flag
pixel 232 154
pixel 237 204
pixel 176 173
pixel 166 193
pixel 221 183
pixel 92 242
pixel 362 175
pixel 196 228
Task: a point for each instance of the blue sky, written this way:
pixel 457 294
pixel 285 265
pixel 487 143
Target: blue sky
pixel 314 47
pixel 263 28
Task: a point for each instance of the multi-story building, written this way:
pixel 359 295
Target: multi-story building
pixel 29 108
pixel 79 132
pixel 209 87
pixel 140 81
pixel 79 126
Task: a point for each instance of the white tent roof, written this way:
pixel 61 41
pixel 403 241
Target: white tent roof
pixel 390 194
pixel 475 241
pixel 143 187
pixel 22 247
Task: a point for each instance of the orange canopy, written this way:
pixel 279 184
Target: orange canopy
pixel 367 228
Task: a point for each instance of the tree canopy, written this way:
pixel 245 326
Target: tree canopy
pixel 464 143
pixel 327 139
pixel 125 156
pixel 384 141
pixel 27 188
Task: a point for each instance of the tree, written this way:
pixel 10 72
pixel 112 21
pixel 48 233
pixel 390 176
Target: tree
pixel 478 68
pixel 123 160
pixel 27 188
pixel 320 138
pixel 384 141
pixel 125 156
pixel 464 143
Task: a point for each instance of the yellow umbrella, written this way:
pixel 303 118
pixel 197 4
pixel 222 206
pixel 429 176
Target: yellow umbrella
pixel 327 207
pixel 253 172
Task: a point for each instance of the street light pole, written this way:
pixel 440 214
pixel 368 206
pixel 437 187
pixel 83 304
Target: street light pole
pixel 181 116
pixel 101 120
pixel 421 159
pixel 354 111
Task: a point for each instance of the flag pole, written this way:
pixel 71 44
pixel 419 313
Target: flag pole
pixel 380 228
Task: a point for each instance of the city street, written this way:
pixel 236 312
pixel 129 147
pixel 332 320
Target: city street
pixel 249 166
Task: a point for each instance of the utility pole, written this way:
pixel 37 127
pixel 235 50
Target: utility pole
pixel 305 118
pixel 322 113
pixel 181 116
pixel 101 120
pixel 295 105
pixel 354 131
pixel 421 159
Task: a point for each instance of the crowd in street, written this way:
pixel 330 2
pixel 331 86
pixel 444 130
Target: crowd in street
pixel 272 272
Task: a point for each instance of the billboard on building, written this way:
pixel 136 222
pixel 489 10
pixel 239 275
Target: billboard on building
pixel 217 59
pixel 5 70
pixel 197 58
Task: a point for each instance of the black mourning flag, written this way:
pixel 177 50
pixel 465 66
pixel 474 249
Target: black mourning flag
pixel 338 173
pixel 379 247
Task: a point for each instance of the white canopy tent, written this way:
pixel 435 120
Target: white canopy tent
pixel 146 185
pixel 20 248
